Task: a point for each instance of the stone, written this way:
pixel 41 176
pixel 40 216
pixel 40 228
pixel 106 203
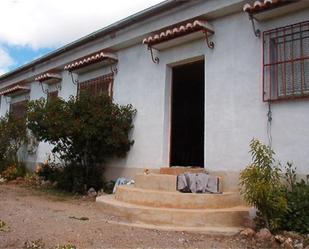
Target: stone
pixel 287 244
pixel 46 183
pixel 307 247
pixel 298 245
pixel 292 235
pixel 248 232
pixel 2 180
pixel 101 192
pixel 55 184
pixel 263 234
pixel 92 193
pixel 279 238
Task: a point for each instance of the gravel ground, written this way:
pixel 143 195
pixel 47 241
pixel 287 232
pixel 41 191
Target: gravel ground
pixel 32 215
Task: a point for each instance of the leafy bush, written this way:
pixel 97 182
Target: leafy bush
pixel 262 186
pixel 85 132
pixel 49 171
pixel 13 171
pixel 297 195
pixel 13 135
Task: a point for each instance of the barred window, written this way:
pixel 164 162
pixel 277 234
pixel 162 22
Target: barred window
pixel 19 109
pixel 286 62
pixel 97 86
pixel 52 95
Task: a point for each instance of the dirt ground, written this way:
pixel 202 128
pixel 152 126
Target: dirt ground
pixel 31 215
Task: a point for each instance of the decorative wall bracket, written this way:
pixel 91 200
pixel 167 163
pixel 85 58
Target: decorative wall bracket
pixel 155 59
pixel 58 87
pixel 114 69
pixel 7 99
pixel 45 91
pixel 256 31
pixel 74 81
pixel 210 44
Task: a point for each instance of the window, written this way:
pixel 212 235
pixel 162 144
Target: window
pixel 286 62
pixel 19 109
pixel 53 94
pixel 97 86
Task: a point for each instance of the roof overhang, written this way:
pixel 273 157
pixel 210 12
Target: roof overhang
pixel 14 90
pixel 128 21
pixel 181 32
pixel 48 78
pixel 267 9
pixel 108 57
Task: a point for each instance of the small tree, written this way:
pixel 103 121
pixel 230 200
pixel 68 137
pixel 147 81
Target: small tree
pixel 85 132
pixel 13 135
pixel 262 186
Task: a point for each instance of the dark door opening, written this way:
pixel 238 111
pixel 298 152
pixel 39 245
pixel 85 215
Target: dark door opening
pixel 187 121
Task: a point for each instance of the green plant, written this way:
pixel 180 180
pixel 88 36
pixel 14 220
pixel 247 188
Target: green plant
pixel 13 171
pixel 36 244
pixel 67 246
pixel 85 132
pixel 262 188
pixel 297 194
pixel 3 226
pixel 13 135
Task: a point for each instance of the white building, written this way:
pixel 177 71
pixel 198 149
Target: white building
pixel 208 93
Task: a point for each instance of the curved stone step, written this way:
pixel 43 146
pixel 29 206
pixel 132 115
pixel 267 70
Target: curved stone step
pixel 176 170
pixel 227 231
pixel 168 199
pixel 164 182
pixel 223 217
pixel 156 181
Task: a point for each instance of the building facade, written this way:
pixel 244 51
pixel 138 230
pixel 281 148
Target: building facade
pixel 205 77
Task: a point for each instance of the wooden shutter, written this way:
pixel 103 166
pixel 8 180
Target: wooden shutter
pixel 19 109
pixel 97 86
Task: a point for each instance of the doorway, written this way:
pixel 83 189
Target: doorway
pixel 187 119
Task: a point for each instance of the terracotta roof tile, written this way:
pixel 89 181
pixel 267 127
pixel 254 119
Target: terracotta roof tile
pixel 90 59
pixel 14 89
pixel 47 76
pixel 177 31
pixel 262 5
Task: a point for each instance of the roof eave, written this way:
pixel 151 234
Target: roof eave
pixel 142 15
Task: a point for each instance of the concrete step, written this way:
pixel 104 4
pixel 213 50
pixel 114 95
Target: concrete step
pixel 168 199
pixel 180 170
pixel 217 218
pixel 226 231
pixel 163 182
pixel 153 181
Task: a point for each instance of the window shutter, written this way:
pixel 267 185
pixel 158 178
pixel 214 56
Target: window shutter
pixel 19 109
pixel 97 86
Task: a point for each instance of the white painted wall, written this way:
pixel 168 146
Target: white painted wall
pixel 234 109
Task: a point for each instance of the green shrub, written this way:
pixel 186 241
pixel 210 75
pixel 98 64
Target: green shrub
pixel 297 194
pixel 13 171
pixel 262 188
pixel 13 135
pixel 49 171
pixel 85 132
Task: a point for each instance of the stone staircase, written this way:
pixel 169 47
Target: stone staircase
pixel 153 202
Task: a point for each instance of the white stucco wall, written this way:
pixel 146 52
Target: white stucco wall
pixel 234 110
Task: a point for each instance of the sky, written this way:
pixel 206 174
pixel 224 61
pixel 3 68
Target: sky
pixel 31 28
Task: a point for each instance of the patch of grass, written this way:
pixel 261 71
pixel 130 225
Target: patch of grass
pixel 39 244
pixel 36 244
pixel 3 226
pixel 52 193
pixel 67 246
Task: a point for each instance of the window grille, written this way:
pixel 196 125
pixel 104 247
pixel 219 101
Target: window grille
pixel 97 86
pixel 19 109
pixel 286 62
pixel 53 94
